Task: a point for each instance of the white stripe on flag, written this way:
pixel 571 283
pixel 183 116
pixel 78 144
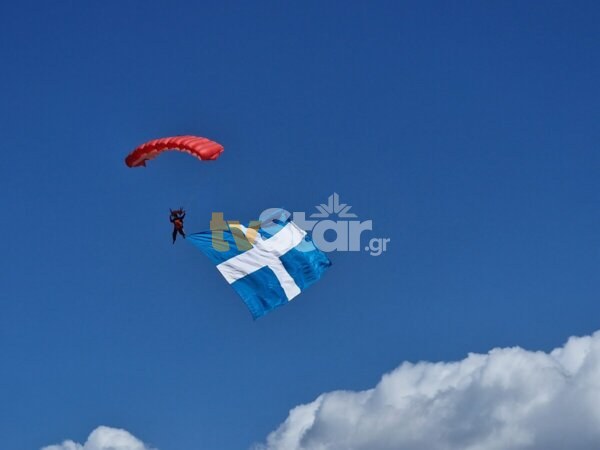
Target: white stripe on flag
pixel 266 253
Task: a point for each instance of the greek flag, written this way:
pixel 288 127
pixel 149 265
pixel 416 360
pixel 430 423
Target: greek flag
pixel 267 266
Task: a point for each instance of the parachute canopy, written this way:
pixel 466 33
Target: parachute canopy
pixel 197 146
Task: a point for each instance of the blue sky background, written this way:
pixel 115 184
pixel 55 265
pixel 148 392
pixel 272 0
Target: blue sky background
pixel 468 132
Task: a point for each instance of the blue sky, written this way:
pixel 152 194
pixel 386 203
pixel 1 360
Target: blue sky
pixel 467 132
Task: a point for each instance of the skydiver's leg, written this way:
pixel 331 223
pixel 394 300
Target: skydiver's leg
pixel 182 233
pixel 174 234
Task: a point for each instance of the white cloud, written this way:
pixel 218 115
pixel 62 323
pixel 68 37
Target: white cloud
pixel 509 398
pixel 104 438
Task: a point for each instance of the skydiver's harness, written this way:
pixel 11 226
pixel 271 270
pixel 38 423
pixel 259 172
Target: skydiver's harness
pixel 177 221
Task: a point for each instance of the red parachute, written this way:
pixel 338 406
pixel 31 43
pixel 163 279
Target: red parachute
pixel 197 146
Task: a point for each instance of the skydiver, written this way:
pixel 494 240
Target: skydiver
pixel 176 219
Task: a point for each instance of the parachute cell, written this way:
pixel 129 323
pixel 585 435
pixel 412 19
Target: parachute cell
pixel 197 146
